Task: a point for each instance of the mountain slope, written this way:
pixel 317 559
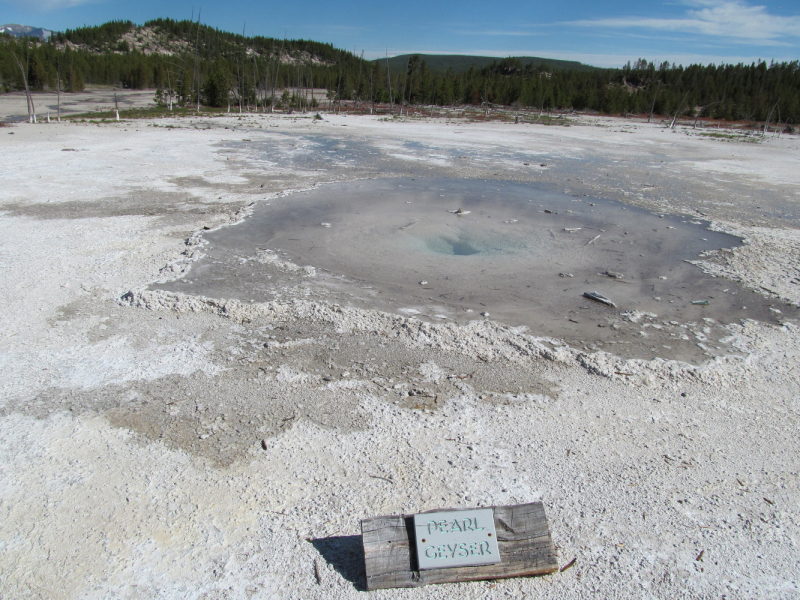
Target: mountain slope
pixel 26 31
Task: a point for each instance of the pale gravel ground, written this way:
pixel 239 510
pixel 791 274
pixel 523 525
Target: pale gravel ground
pixel 14 107
pixel 130 444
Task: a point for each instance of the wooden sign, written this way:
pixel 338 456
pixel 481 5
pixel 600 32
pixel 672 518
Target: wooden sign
pixel 392 546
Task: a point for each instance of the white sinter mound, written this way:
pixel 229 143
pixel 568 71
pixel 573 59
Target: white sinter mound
pixel 157 444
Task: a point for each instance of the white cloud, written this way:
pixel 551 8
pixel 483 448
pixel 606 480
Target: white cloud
pixel 720 18
pixel 500 33
pixel 49 5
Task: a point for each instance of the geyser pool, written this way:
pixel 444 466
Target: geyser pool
pixel 451 249
pixel 455 247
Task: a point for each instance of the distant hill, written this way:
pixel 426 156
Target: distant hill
pixel 26 31
pixel 170 38
pixel 461 62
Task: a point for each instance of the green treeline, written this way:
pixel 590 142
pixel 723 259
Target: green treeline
pixel 187 62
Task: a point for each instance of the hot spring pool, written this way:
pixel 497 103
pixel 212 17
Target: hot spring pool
pixel 452 249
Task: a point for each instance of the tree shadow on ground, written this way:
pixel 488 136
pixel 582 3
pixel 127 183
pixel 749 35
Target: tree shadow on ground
pixel 345 553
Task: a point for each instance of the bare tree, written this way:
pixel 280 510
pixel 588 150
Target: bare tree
pixel 778 129
pixel 267 73
pixel 371 76
pixel 255 79
pixel 275 76
pixel 700 114
pixel 169 90
pixel 311 80
pixel 653 105
pixel 358 86
pixel 389 75
pixel 269 77
pixel 405 80
pixel 678 112
pixel 410 87
pixel 28 97
pixel 339 88
pixel 769 116
pixel 541 100
pixel 241 70
pixel 182 81
pixel 433 101
pixel 195 66
pixel 58 87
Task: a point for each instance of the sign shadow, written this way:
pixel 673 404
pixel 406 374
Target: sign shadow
pixel 345 553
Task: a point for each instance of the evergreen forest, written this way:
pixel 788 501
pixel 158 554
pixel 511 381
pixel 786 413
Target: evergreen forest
pixel 190 63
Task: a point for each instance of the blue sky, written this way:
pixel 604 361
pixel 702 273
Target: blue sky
pixel 596 32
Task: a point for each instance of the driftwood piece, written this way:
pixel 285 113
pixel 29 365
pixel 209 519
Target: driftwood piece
pixel 598 297
pixel 523 537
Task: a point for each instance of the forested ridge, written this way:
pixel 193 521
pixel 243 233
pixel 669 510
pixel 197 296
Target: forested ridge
pixel 460 62
pixel 189 62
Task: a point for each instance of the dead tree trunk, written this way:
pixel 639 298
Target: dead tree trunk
pixel 389 75
pixel 405 81
pixel 239 86
pixel 700 114
pixel 339 89
pixel 169 90
pixel 371 91
pixel 269 78
pixel 31 107
pixel 255 80
pixel 653 105
pixel 58 87
pixel 358 86
pixel 541 102
pixel 194 66
pixel 410 88
pixel 241 81
pixel 769 116
pixel 275 77
pixel 311 83
pixel 678 112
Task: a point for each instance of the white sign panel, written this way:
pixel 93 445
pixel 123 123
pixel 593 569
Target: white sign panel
pixel 458 538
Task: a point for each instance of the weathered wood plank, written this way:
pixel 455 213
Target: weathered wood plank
pixel 523 537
